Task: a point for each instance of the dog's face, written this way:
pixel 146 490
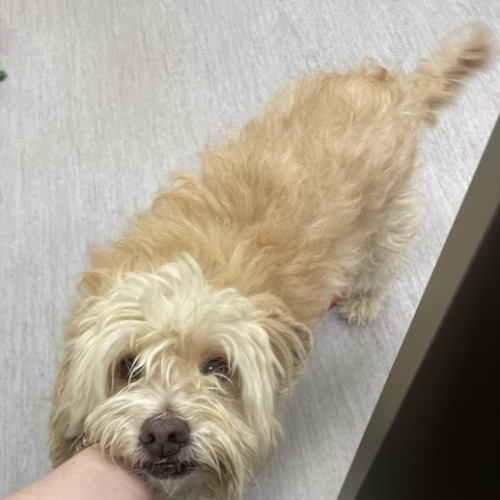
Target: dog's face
pixel 178 380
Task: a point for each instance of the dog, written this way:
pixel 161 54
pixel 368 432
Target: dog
pixel 190 331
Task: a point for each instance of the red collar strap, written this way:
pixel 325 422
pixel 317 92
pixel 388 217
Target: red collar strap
pixel 332 304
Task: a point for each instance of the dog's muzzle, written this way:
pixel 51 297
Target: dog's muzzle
pixel 163 439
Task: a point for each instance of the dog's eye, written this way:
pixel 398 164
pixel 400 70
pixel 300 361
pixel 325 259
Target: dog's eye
pixel 215 366
pixel 129 370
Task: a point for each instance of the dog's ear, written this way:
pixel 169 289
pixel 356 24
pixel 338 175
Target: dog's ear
pixel 83 377
pixel 60 444
pixel 292 344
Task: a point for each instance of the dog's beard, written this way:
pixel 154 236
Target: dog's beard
pixel 223 453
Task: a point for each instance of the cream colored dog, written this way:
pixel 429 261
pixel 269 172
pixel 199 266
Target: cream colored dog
pixel 189 330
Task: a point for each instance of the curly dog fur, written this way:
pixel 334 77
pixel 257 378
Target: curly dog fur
pixel 199 319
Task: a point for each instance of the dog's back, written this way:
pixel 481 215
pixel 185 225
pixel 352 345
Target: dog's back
pixel 313 198
pixel 330 166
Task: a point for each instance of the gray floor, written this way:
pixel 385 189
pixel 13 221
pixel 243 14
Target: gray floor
pixel 105 98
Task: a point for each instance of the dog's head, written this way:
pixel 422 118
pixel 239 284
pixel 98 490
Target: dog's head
pixel 178 380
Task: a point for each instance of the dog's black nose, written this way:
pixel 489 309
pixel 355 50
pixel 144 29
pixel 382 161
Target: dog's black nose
pixel 164 437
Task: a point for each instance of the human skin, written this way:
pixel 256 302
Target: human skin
pixel 88 475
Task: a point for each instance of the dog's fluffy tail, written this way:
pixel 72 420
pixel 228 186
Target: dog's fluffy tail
pixel 438 78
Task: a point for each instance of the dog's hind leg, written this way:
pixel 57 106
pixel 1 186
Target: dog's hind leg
pixel 382 256
pixel 433 85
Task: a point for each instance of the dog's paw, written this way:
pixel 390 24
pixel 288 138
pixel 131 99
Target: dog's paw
pixel 361 309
